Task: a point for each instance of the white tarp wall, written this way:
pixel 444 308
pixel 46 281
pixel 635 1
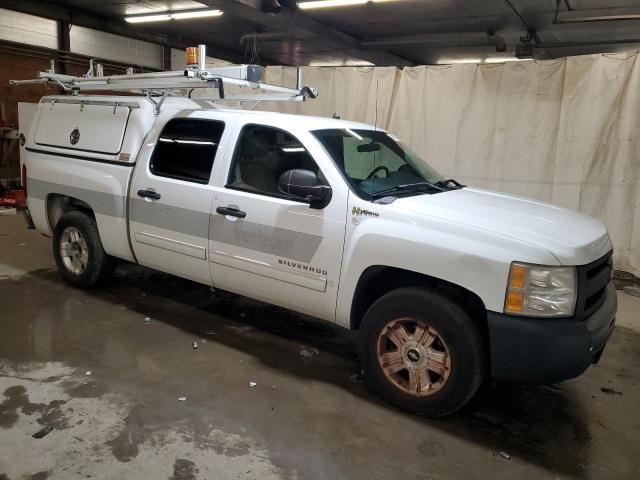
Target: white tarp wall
pixel 564 131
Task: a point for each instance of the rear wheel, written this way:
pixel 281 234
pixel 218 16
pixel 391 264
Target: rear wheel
pixel 78 251
pixel 421 352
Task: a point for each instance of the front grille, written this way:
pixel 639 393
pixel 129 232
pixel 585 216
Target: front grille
pixel 592 285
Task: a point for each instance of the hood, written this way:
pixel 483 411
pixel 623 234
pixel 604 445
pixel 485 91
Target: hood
pixel 573 238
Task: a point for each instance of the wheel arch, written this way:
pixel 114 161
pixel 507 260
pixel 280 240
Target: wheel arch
pixel 377 280
pixel 58 205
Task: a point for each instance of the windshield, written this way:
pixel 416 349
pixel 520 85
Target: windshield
pixel 376 165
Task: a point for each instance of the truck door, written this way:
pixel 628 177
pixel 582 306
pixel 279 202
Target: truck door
pixel 266 245
pixel 170 197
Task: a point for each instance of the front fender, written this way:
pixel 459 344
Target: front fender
pixel 474 259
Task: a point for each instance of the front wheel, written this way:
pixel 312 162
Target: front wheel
pixel 78 251
pixel 421 352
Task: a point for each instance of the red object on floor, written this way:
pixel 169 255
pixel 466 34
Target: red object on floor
pixel 13 198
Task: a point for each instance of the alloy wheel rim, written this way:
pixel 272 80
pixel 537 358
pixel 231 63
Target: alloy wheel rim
pixel 74 251
pixel 413 356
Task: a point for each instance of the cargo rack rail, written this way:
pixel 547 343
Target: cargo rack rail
pixel 157 86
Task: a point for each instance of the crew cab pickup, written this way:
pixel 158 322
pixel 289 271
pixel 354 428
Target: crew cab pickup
pixel 448 285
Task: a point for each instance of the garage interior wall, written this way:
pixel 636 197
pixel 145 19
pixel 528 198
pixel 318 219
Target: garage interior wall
pixel 95 43
pixel 563 131
pixel 28 29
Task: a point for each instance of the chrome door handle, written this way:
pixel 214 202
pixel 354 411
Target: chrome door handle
pixel 234 212
pixel 149 194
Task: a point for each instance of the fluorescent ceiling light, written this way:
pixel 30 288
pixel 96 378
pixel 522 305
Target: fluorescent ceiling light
pixel 147 18
pixel 339 62
pixel 336 3
pixel 200 14
pixel 451 61
pixel 504 59
pixel 183 15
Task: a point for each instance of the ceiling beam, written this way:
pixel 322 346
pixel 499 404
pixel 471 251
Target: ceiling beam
pixel 109 25
pixel 592 43
pixel 454 39
pixel 599 15
pixel 526 25
pixel 298 25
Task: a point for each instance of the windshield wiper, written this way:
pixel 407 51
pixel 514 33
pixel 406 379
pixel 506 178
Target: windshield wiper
pixel 407 187
pixel 446 184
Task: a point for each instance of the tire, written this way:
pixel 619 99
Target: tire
pixel 87 264
pixel 440 364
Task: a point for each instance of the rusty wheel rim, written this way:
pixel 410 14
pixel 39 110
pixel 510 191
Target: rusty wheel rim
pixel 413 356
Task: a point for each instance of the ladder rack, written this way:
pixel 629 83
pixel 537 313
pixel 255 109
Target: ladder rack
pixel 157 86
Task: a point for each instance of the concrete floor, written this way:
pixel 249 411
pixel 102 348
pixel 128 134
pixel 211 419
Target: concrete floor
pixel 109 383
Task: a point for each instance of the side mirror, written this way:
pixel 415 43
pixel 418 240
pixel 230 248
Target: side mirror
pixel 304 184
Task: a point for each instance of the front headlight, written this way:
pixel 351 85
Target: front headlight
pixel 540 291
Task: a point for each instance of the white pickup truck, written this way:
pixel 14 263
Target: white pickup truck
pixel 448 285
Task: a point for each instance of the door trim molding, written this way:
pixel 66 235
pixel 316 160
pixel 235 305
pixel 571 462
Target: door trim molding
pixel 263 269
pixel 165 243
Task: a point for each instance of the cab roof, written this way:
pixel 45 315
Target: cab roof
pixel 311 122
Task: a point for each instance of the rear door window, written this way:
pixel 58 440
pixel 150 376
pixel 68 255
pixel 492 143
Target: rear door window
pixel 186 149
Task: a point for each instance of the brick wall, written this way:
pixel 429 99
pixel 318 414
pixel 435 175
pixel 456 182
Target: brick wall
pixel 17 67
pixel 22 67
